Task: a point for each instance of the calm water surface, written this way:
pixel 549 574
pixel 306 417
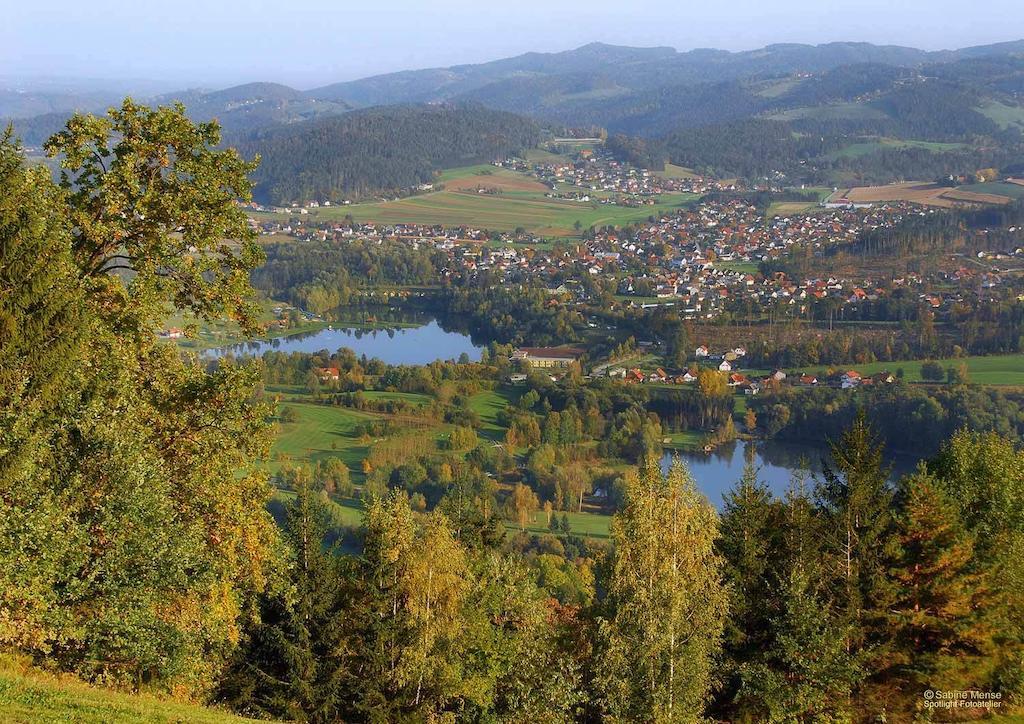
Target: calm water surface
pixel 777 465
pixel 409 346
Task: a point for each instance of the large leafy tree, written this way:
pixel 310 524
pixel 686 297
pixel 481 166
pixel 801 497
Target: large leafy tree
pixel 131 482
pixel 665 602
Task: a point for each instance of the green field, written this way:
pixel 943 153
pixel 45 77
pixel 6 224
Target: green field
pixel 1014 191
pixel 29 696
pixel 321 431
pixel 223 333
pixel 488 404
pixel 857 150
pixel 591 525
pixel 997 370
pixel 1005 116
pixel 673 171
pixel 513 208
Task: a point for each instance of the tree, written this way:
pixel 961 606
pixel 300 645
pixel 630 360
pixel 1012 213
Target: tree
pixel 932 371
pixel 804 673
pixel 150 194
pixel 751 528
pixel 295 663
pixel 665 605
pixel 418 579
pixel 860 542
pixel 149 467
pixel 524 504
pixel 43 328
pixel 942 611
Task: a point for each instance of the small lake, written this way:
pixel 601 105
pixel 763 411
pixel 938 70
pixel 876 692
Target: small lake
pixel 405 346
pixel 717 472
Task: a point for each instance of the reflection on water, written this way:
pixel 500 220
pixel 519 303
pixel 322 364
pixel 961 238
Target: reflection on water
pixel 412 346
pixel 778 464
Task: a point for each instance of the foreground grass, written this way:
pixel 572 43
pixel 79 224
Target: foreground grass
pixel 28 695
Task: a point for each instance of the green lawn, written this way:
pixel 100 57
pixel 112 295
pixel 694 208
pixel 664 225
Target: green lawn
pixel 1004 115
pixel 745 267
pixel 673 171
pixel 414 398
pixel 29 696
pixel 1002 370
pixel 321 431
pixel 590 525
pixel 223 334
pixel 855 150
pixel 1014 191
pixel 488 404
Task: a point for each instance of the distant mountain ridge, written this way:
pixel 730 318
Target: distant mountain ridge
pixel 640 67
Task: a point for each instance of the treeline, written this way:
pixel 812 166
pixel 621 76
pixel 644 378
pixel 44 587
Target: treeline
pixel 523 315
pixel 845 600
pixel 909 417
pixel 380 149
pixel 322 275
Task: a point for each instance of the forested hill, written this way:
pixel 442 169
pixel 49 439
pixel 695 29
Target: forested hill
pixel 363 152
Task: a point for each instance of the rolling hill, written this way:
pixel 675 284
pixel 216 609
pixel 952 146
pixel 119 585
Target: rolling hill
pixel 391 147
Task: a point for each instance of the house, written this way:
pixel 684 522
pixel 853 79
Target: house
pixel 850 379
pixel 548 356
pixel 657 376
pixel 618 372
pixel 687 377
pixel 172 333
pixel 777 376
pixel 328 374
pixel 725 366
pixel 808 380
pixel 635 375
pixel 701 352
pixel 736 379
pixel 517 378
pixel 884 378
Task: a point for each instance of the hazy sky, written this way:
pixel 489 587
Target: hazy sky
pixel 309 42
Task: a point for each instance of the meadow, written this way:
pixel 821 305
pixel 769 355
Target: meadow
pixel 519 203
pixel 1005 370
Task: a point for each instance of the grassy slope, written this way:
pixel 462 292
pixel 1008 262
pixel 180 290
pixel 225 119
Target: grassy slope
pixel 31 696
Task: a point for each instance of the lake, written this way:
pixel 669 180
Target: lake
pixel 406 346
pixel 717 472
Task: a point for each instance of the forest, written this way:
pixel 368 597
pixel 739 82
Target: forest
pixel 378 150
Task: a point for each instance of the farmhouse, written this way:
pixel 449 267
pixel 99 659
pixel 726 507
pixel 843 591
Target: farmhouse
pixel 328 374
pixel 548 356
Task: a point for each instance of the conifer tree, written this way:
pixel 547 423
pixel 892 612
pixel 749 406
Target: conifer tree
pixel 943 611
pixel 750 545
pixel 860 541
pixel 296 663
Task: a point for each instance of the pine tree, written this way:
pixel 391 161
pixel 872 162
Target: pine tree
pixel 665 604
pixel 860 541
pixel 750 545
pixel 804 674
pixel 943 610
pixel 295 664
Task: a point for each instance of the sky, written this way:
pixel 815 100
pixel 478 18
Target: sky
pixel 305 43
